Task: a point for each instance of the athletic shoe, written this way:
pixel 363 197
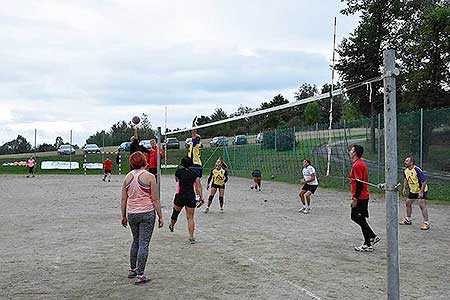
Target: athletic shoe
pixel 306 210
pixel 206 210
pixel 301 209
pixel 375 240
pixel 251 187
pixel 364 248
pixel 132 273
pixel 171 227
pixel 109 180
pixel 141 279
pixel 192 241
pixel 405 221
pixel 425 226
pixel 260 189
pixel 221 210
pixel 103 179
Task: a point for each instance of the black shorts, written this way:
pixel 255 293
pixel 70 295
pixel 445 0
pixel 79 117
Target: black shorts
pixel 218 186
pixel 30 169
pixel 362 208
pixel 413 196
pixel 108 171
pixel 198 170
pixel 184 200
pixel 309 187
pixel 256 174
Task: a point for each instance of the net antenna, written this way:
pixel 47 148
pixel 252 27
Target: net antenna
pixel 331 100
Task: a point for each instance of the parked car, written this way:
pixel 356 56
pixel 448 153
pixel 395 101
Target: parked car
pixel 145 143
pixel 218 141
pixel 187 143
pixel 172 143
pixel 124 147
pixel 239 140
pixel 66 150
pixel 91 148
pixel 259 138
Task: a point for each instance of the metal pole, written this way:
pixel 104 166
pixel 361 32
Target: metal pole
pixel 391 175
pixel 165 131
pixel 421 138
pixel 158 162
pixel 295 138
pixel 379 149
pixel 35 137
pixel 70 153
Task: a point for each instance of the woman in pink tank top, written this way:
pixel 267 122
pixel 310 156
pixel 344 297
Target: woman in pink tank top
pixel 139 202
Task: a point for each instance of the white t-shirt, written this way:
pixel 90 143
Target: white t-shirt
pixel 307 175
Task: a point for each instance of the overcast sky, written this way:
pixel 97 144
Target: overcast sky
pixel 84 65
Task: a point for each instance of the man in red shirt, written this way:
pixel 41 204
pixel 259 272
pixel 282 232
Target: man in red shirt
pixel 152 158
pixel 108 169
pixel 359 175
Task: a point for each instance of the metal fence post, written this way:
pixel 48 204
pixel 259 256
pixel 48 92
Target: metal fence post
pixel 421 138
pixel 391 175
pixel 379 149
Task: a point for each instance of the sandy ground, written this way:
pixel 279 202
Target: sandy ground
pixel 61 238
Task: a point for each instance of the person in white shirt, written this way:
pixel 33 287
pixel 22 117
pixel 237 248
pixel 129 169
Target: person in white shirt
pixel 310 184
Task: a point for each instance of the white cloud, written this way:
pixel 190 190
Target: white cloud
pixel 84 65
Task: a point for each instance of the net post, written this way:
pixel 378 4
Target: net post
pixel 379 149
pixel 158 161
pixel 390 147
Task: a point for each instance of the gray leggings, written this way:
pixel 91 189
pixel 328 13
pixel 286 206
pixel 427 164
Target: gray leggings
pixel 141 225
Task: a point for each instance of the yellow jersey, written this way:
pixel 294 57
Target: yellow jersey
pixel 415 177
pixel 194 152
pixel 218 176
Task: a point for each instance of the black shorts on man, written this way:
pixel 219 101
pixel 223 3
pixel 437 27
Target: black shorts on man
pixel 216 186
pixel 416 196
pixel 310 188
pixel 198 170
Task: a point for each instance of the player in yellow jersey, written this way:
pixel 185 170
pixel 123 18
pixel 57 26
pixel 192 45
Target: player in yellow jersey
pixel 194 154
pixel 416 181
pixel 218 176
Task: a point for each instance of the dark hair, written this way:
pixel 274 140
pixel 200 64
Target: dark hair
pixel 359 150
pixel 137 160
pixel 186 162
pixel 307 160
pixel 412 159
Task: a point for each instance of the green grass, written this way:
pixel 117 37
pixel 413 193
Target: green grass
pixel 285 166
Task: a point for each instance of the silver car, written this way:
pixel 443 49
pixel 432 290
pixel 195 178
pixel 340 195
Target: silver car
pixel 66 150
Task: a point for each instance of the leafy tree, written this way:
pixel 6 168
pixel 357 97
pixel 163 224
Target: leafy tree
pixel 46 147
pixel 312 113
pixel 19 145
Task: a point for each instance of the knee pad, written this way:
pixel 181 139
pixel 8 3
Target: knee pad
pixel 210 198
pixel 175 214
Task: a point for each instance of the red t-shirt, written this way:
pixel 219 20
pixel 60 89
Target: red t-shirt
pixel 108 164
pixel 152 158
pixel 359 171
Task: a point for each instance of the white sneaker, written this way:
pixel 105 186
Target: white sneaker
pixel 364 248
pixel 221 210
pixel 301 209
pixel 306 210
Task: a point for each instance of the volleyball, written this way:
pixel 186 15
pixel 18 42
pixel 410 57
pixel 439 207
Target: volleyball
pixel 135 120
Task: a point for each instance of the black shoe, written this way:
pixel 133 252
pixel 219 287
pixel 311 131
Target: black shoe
pixel 171 227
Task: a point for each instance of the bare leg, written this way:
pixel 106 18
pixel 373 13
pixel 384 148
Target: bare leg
pixel 190 221
pixel 302 196
pixel 409 203
pixel 424 209
pixel 211 196
pixel 308 198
